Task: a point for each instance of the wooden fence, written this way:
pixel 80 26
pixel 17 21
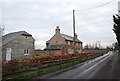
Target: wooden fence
pixel 38 69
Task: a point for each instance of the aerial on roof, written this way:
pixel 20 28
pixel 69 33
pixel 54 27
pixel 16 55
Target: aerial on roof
pixel 70 38
pixel 10 36
pixel 54 46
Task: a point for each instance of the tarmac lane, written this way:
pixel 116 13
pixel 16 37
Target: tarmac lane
pixel 103 67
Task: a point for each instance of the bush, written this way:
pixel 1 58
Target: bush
pixel 45 58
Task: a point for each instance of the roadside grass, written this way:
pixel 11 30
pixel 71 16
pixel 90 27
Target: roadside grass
pixel 47 70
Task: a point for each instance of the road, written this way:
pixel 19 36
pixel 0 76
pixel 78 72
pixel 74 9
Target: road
pixel 104 67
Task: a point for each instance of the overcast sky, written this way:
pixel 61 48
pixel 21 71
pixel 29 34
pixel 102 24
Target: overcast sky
pixel 41 17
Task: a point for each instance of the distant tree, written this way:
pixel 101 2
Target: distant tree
pixel 110 48
pixel 115 46
pixel 93 45
pixel 116 28
pixel 86 47
pixel 97 46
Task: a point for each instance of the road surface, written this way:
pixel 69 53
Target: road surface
pixel 104 67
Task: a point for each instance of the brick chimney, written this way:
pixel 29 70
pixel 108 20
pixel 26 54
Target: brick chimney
pixel 57 30
pixel 76 36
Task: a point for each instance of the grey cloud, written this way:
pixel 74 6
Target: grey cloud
pixel 41 18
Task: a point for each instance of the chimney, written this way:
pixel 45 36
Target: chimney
pixel 57 30
pixel 76 35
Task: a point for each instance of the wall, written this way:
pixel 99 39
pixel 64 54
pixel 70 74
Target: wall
pixel 38 52
pixel 70 48
pixel 102 50
pixel 53 52
pixel 57 38
pixel 18 45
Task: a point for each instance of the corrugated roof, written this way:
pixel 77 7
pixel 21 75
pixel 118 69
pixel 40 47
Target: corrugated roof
pixel 56 46
pixel 70 38
pixel 11 36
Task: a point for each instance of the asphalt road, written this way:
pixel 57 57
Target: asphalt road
pixel 104 67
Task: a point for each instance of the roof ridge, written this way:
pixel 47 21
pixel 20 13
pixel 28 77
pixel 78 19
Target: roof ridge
pixel 68 37
pixel 11 36
pixel 56 43
pixel 13 33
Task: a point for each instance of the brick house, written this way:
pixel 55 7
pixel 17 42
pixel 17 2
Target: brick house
pixel 17 45
pixel 62 44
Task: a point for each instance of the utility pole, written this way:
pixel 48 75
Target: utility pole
pixel 74 28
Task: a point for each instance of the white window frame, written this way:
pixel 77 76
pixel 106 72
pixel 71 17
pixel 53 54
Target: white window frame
pixel 76 43
pixel 68 42
pixel 8 54
pixel 26 51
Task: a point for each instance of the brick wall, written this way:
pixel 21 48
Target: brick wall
pixel 70 47
pixel 57 38
pixel 38 52
pixel 53 52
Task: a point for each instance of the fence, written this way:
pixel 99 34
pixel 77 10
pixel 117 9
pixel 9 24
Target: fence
pixel 39 69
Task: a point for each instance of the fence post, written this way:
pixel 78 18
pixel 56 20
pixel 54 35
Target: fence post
pixel 39 67
pixel 60 61
pixel 73 61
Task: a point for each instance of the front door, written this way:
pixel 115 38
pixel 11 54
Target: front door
pixel 8 54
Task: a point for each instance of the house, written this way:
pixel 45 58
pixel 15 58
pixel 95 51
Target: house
pixel 17 45
pixel 62 44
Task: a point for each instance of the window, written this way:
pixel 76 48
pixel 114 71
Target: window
pixel 79 44
pixel 8 54
pixel 26 52
pixel 68 42
pixel 73 43
pixel 76 43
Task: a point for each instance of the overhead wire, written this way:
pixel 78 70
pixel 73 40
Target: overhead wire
pixel 96 6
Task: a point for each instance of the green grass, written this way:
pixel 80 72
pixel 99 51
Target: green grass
pixel 49 69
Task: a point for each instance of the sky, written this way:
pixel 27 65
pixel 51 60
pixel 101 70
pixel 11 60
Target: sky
pixel 40 18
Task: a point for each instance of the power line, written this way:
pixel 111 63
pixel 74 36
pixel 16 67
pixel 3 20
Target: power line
pixel 90 9
pixel 96 6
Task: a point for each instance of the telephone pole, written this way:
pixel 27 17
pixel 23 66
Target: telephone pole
pixel 74 28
